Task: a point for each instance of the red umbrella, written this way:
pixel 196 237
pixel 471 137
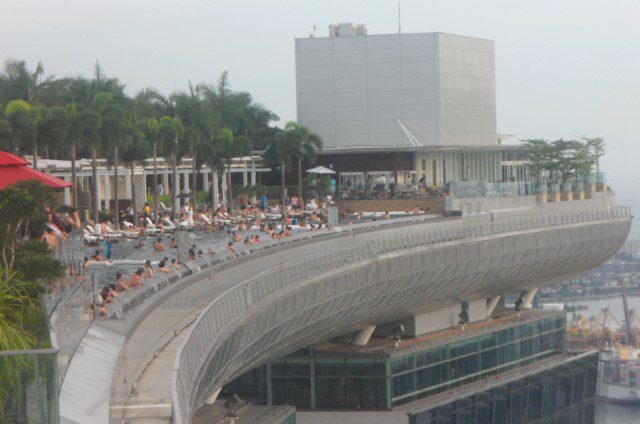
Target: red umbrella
pixel 14 169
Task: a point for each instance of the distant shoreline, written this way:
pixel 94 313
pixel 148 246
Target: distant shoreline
pixel 594 297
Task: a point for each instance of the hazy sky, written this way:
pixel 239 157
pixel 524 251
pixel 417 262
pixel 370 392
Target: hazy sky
pixel 563 67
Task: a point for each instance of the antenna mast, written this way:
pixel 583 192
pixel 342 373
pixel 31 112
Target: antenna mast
pixel 399 26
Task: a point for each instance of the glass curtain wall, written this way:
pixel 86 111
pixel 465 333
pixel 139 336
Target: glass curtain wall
pixel 431 371
pixel 563 394
pixel 383 379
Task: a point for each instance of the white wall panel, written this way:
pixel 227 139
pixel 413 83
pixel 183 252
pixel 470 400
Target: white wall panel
pixel 351 113
pixel 384 84
pixel 347 57
pixel 351 99
pixel 315 72
pixel 315 86
pixel 351 127
pixel 412 97
pixel 350 71
pixel 316 100
pixel 383 55
pixel 314 58
pixel 387 41
pixel 381 98
pixel 350 85
pixel 383 69
pixel 442 86
pixel 382 112
pixel 349 43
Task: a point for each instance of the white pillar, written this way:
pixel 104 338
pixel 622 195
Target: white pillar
pixel 67 196
pixel 127 185
pixel 492 302
pixel 165 182
pixel 245 180
pixel 363 335
pixel 107 191
pixel 224 188
pixel 214 181
pixel 205 180
pixel 527 297
pixel 185 182
pixel 253 173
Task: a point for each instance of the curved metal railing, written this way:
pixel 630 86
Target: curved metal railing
pixel 223 311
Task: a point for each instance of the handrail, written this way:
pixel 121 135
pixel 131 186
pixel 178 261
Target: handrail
pixel 229 304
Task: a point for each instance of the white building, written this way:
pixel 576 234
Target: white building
pixel 352 90
pixel 427 95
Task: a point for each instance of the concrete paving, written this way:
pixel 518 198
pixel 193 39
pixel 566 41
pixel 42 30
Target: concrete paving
pixel 151 401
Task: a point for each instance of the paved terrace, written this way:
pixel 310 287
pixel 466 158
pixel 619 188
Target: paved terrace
pixel 262 305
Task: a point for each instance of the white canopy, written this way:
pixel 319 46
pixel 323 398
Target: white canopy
pixel 320 170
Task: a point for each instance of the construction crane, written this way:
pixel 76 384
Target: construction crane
pixel 631 334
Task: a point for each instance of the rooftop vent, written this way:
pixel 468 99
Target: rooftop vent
pixel 348 29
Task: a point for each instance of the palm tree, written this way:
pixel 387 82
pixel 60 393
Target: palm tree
pixel 210 151
pixel 136 149
pixel 281 151
pixel 82 126
pixel 112 133
pixel 197 117
pixel 20 116
pixel 308 143
pixel 52 129
pixel 151 134
pixel 170 132
pixel 231 147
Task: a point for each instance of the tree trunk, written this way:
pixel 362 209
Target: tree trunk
pixel 175 191
pixel 195 182
pixel 134 197
pixel 96 185
pixel 155 183
pixel 35 156
pixel 116 197
pixel 283 194
pixel 299 176
pixel 212 194
pixel 74 188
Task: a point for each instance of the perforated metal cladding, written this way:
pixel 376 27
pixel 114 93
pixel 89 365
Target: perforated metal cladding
pixel 423 269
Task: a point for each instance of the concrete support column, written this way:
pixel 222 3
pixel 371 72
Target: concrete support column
pixel 185 182
pixel 205 180
pixel 211 399
pixel 224 188
pixel 165 183
pixel 245 180
pixel 363 335
pixel 214 182
pixel 96 191
pixel 127 185
pixel 107 191
pixel 527 297
pixel 253 173
pixel 67 196
pixel 492 302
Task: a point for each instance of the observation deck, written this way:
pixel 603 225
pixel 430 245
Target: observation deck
pixel 235 314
